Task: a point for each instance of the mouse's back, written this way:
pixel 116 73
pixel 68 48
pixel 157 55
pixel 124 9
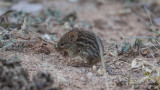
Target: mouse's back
pixel 79 42
pixel 87 45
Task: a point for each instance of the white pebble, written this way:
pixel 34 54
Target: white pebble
pixel 89 75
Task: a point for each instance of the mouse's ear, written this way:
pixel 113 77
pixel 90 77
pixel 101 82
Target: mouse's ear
pixel 73 36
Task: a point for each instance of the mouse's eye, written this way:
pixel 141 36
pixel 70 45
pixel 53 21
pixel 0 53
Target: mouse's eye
pixel 62 44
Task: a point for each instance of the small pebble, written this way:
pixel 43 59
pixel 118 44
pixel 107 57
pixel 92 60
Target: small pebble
pixel 94 68
pixel 100 71
pixel 90 75
pixel 83 70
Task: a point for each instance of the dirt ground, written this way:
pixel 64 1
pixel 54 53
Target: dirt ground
pixel 113 21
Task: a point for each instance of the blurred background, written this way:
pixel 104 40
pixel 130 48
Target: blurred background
pixel 129 30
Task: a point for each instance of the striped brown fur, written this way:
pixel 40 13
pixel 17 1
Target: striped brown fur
pixel 79 42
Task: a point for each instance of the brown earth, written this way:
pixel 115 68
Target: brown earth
pixel 109 23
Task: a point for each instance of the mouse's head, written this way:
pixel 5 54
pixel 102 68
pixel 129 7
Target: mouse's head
pixel 67 41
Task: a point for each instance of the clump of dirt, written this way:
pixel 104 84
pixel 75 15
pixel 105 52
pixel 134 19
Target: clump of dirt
pixel 41 81
pixel 14 77
pixel 43 47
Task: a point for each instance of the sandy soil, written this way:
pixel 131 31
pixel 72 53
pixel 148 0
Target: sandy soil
pixel 109 24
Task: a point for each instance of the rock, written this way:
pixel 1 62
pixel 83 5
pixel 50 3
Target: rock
pixel 89 75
